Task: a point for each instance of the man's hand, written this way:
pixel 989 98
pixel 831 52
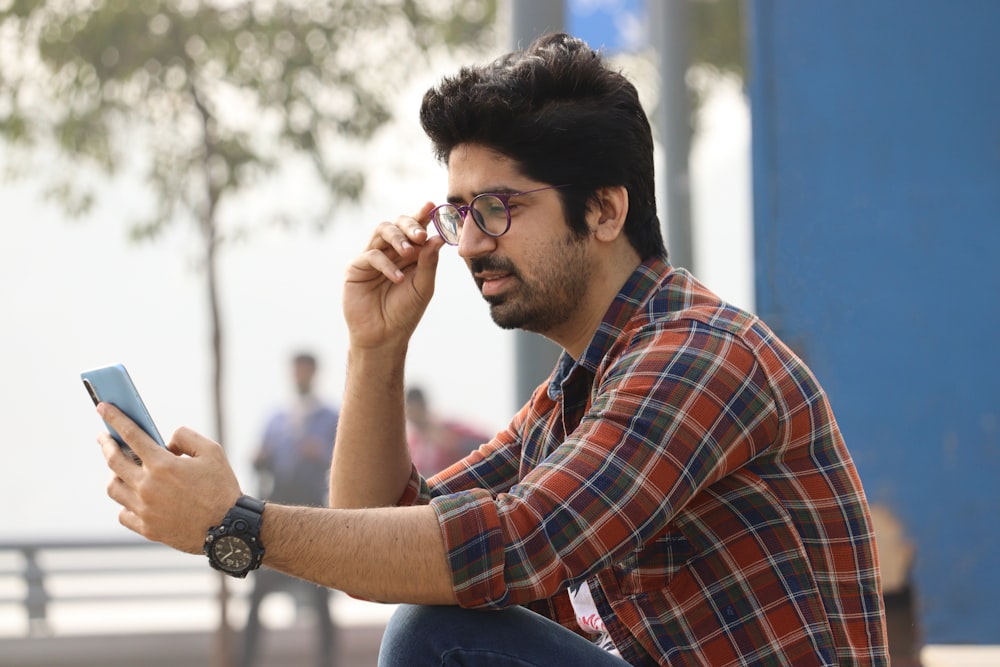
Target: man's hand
pixel 386 291
pixel 175 496
pixel 388 286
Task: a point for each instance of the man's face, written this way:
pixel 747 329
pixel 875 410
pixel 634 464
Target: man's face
pixel 303 373
pixel 535 276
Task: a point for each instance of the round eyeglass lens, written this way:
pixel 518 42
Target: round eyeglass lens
pixel 448 221
pixel 491 214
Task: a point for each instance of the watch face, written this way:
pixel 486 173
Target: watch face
pixel 232 553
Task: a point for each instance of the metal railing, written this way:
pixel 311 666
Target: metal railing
pixel 36 576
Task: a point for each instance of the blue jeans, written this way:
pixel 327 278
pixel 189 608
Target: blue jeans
pixel 424 636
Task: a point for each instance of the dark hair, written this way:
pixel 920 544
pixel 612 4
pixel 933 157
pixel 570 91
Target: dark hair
pixel 415 396
pixel 564 117
pixel 306 358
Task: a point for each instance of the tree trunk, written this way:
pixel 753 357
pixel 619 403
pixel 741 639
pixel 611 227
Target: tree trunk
pixel 210 237
pixel 224 643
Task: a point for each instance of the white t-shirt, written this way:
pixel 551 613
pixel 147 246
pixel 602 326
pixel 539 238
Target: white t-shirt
pixel 589 618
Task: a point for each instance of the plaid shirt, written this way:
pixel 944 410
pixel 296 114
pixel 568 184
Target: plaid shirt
pixel 688 468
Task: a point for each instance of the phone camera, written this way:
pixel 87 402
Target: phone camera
pixel 90 390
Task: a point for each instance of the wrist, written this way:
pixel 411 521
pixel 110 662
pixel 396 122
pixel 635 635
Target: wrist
pixel 383 350
pixel 381 365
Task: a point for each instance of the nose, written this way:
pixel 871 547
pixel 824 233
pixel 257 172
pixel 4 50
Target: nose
pixel 474 242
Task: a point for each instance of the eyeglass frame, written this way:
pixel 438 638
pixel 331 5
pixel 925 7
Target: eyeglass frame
pixel 464 210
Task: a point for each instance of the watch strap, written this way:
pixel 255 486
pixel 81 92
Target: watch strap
pixel 251 503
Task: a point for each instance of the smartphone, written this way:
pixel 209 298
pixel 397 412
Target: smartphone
pixel 112 384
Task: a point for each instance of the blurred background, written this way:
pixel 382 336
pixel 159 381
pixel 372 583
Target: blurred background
pixel 184 182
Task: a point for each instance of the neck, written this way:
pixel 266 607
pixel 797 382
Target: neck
pixel 606 281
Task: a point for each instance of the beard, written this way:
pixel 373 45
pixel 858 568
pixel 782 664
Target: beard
pixel 551 294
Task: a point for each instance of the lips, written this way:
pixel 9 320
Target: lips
pixel 492 275
pixel 492 284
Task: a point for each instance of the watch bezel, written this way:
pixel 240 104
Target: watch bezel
pixel 245 553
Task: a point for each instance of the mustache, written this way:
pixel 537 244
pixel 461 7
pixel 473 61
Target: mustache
pixel 492 263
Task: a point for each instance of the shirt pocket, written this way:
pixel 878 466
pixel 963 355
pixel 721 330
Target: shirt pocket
pixel 652 566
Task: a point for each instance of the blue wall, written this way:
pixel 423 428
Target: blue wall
pixel 876 163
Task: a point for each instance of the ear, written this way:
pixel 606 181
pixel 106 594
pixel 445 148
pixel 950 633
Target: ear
pixel 607 212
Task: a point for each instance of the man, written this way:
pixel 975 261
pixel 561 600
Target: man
pixel 677 492
pixel 297 446
pixel 294 463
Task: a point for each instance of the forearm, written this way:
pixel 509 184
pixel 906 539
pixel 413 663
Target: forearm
pixel 371 461
pixel 386 554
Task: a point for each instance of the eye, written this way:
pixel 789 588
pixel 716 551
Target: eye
pixel 494 206
pixel 490 208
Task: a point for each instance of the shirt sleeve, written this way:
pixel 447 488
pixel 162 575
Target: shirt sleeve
pixel 671 411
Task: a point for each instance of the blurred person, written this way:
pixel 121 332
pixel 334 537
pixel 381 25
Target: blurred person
pixel 897 555
pixel 677 492
pixel 435 442
pixel 293 461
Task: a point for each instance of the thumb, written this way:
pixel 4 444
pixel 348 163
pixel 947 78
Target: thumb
pixel 186 441
pixel 427 261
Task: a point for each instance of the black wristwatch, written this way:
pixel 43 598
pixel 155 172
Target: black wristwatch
pixel 234 546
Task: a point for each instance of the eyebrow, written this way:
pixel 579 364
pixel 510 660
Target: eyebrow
pixel 498 190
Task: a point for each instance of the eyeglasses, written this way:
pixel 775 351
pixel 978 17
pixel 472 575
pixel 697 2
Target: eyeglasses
pixel 490 211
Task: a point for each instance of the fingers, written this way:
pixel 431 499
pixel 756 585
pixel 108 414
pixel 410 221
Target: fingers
pixel 118 460
pixel 123 492
pixel 120 492
pixel 404 233
pixel 174 496
pixel 132 513
pixel 374 263
pixel 391 250
pixel 130 520
pixel 137 439
pixel 186 441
